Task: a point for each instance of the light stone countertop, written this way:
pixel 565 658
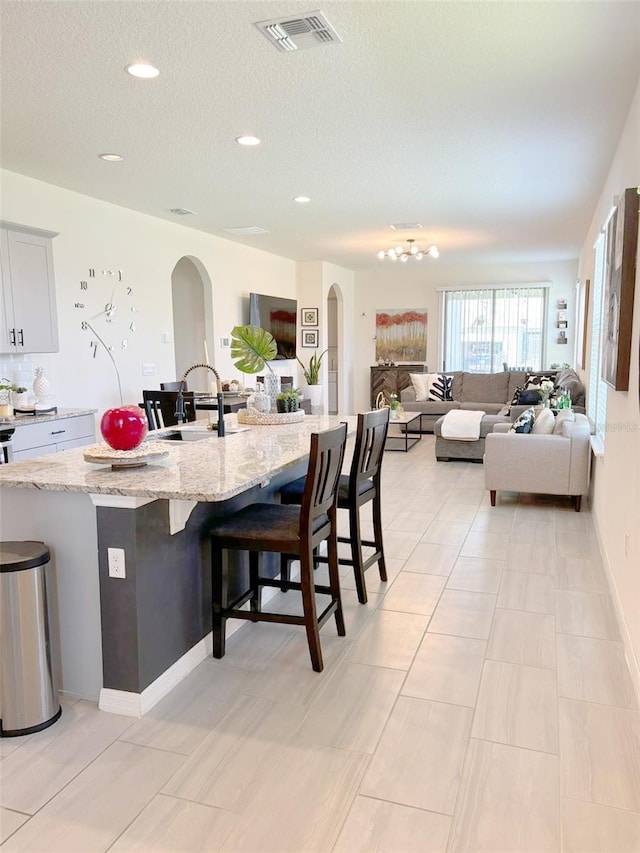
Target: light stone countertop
pixel 213 469
pixel 24 420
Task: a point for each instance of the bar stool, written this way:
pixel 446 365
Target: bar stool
pixel 357 488
pixel 294 532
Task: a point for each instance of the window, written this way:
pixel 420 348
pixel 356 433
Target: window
pixel 597 401
pixel 488 329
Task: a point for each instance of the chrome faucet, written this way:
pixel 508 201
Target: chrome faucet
pixel 219 396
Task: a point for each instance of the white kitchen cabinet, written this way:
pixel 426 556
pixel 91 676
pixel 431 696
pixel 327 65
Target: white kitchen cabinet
pixel 51 436
pixel 29 321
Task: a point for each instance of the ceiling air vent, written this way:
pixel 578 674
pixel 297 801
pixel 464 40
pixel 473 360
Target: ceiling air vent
pixel 246 230
pixel 182 211
pixel 312 30
pixel 405 226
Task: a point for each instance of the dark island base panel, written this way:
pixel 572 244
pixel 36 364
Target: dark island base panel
pixel 162 608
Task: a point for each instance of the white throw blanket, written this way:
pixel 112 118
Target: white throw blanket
pixel 462 425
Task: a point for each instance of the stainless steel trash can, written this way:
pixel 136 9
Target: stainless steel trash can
pixel 28 694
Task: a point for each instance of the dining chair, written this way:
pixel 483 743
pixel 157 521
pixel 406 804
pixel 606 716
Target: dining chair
pixel 362 485
pixel 161 407
pixel 294 532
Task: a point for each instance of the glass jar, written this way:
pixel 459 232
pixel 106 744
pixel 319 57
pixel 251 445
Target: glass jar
pixel 272 385
pixel 259 401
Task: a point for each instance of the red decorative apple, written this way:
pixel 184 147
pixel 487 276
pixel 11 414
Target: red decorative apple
pixel 124 428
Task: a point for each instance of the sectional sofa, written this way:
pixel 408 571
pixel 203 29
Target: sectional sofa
pixel 489 392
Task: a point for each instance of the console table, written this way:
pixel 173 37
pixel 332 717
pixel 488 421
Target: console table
pixel 392 380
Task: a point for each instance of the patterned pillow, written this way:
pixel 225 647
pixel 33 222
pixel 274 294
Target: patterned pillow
pixel 438 387
pixel 524 424
pixel 534 379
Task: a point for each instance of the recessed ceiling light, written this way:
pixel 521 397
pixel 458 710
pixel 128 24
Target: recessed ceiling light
pixel 111 158
pixel 302 199
pixel 142 69
pixel 247 140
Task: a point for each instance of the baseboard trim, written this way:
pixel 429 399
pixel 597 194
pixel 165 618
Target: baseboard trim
pixel 629 652
pixel 130 704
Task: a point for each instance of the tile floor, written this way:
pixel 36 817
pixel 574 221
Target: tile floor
pixel 479 702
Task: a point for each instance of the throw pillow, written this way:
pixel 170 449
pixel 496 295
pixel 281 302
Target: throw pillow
pixel 439 387
pixel 534 379
pixel 564 416
pixel 524 424
pixel 525 397
pixel 420 385
pixel 544 424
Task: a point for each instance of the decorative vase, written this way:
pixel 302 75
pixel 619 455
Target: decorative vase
pixel 393 415
pixel 272 388
pixel 124 428
pixel 41 385
pixel 314 392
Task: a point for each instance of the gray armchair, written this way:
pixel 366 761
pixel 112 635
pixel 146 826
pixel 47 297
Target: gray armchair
pixel 543 464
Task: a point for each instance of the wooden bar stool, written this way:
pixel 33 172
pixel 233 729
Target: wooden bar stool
pixel 294 532
pixel 357 488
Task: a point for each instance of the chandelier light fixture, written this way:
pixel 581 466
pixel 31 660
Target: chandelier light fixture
pixel 412 251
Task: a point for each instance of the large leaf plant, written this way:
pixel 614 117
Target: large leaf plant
pixel 251 348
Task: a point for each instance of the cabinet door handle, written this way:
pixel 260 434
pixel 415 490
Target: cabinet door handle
pixel 57 431
pixel 21 337
pixel 12 337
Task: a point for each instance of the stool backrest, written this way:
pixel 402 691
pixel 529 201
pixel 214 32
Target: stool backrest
pixel 161 406
pixel 321 486
pixel 369 448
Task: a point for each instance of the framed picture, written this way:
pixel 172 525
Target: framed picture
pixel 309 317
pixel 562 316
pixel 310 338
pixel 401 335
pixel 619 286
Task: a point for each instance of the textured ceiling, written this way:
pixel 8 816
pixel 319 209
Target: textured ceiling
pixel 492 124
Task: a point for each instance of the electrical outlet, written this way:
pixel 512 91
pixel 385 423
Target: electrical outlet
pixel 148 369
pixel 116 562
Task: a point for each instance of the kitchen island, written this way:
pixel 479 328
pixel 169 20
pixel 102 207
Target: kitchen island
pixel 126 641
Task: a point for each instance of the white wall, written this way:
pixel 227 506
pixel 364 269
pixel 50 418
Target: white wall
pixel 105 236
pixel 315 280
pixel 616 475
pixel 415 286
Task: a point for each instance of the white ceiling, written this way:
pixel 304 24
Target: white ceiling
pixel 492 124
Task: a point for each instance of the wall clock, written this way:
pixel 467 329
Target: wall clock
pixel 108 309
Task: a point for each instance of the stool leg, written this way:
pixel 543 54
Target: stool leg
pixel 356 553
pixel 309 609
pixel 377 535
pixel 285 561
pixel 334 582
pixel 219 586
pixel 254 574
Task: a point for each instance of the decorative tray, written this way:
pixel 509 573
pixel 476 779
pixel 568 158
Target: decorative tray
pixel 250 416
pixel 148 451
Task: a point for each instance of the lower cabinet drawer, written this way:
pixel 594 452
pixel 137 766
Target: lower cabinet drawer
pixel 47 435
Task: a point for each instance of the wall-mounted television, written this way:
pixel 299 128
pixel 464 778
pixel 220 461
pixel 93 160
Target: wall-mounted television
pixel 278 316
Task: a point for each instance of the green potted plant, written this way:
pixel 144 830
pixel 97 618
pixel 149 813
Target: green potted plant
pixel 311 374
pixel 312 371
pixel 288 401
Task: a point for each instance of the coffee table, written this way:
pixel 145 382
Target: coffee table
pixel 403 441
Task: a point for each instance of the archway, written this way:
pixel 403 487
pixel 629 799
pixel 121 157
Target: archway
pixel 192 318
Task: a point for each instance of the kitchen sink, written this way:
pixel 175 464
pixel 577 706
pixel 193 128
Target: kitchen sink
pixel 190 433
